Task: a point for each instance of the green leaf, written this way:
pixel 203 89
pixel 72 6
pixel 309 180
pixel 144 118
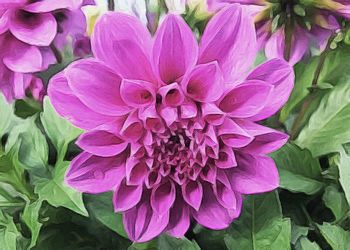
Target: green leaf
pixel 260 226
pixel 167 242
pixel 328 127
pixel 9 197
pixel 299 171
pixel 30 217
pixel 8 232
pixel 33 151
pixel 335 67
pixel 58 194
pixel 101 207
pixel 298 232
pixel 344 173
pixel 335 201
pixel 59 130
pixel 6 111
pixel 305 244
pixel 337 238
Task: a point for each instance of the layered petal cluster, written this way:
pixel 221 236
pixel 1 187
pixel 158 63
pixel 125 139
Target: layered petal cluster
pixel 171 125
pixel 27 30
pixel 311 26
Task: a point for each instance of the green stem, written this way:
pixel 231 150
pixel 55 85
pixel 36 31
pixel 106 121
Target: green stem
pixel 111 5
pixel 56 53
pixel 308 100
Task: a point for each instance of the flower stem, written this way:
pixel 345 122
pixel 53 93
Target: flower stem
pixel 308 100
pixel 111 5
pixel 56 53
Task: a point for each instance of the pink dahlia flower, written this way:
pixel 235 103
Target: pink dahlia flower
pixel 171 124
pixel 311 28
pixel 27 29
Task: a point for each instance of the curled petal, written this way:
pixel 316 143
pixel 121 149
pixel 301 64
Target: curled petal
pixel 136 171
pixel 171 95
pixel 137 93
pixel 179 220
pixel 132 129
pixel 205 83
pixel 212 114
pixel 50 5
pixel 233 135
pixel 151 119
pixel 226 158
pixel 94 174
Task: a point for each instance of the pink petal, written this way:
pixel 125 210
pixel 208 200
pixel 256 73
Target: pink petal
pixel 226 159
pixel 136 171
pixel 163 197
pixel 137 93
pixel 233 135
pixel 224 193
pixel 265 141
pixel 21 57
pixel 50 5
pixel 212 214
pixel 179 220
pixel 39 29
pixel 175 49
pixel 142 224
pixel 222 42
pixel 192 193
pixel 70 107
pixel 97 86
pixel 188 109
pixel 247 99
pixel 212 114
pixel 132 129
pixel 205 83
pixel 126 197
pixel 169 115
pixel 94 174
pixel 123 43
pixel 280 75
pixel 254 174
pixel 171 95
pixel 101 143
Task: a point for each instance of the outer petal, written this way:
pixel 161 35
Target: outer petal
pixel 266 140
pixel 192 193
pixel 39 29
pixel 254 174
pixel 50 5
pixel 230 39
pixel 205 83
pixel 70 107
pixel 211 214
pixel 246 100
pixel 97 86
pixel 124 44
pixel 163 197
pixel 179 220
pixel 233 135
pixel 142 224
pixel 22 57
pixel 126 197
pixel 175 49
pixel 94 174
pixel 101 143
pixel 280 75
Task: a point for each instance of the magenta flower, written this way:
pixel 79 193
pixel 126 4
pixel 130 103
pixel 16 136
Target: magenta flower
pixel 27 29
pixel 171 125
pixel 320 20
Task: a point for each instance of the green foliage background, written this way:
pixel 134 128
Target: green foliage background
pixel 309 211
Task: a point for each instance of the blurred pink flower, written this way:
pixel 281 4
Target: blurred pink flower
pixel 171 125
pixel 310 30
pixel 27 30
